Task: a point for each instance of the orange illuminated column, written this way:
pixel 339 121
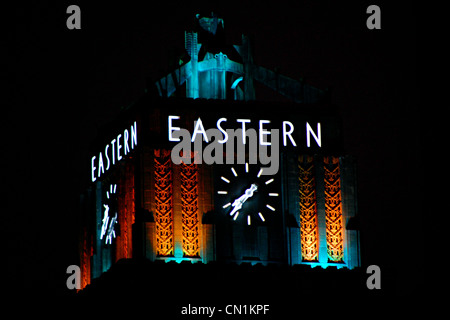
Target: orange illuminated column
pixel 189 209
pixel 163 203
pixel 308 209
pixel 333 210
pixel 125 212
pixel 85 258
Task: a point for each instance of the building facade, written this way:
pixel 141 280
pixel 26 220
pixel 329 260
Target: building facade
pixel 199 170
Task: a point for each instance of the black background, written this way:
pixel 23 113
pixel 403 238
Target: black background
pixel 64 84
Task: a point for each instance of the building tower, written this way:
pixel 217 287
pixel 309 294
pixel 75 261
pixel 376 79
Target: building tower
pixel 143 203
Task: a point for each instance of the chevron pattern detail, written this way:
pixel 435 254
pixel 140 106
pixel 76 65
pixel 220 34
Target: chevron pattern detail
pixel 308 209
pixel 163 203
pixel 333 210
pixel 189 209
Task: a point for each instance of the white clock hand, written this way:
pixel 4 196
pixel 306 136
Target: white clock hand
pixel 237 204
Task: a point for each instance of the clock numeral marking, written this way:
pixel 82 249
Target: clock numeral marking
pixel 260 172
pixel 234 172
pixel 270 207
pixel 227 205
pixel 249 220
pixel 273 194
pixel 269 181
pixel 261 216
pixel 112 189
pixel 222 192
pixel 225 179
pixel 236 215
pixel 246 167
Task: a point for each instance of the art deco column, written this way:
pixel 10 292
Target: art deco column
pixel 333 210
pixel 189 209
pixel 308 209
pixel 163 203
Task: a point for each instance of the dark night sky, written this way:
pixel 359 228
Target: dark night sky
pixel 67 83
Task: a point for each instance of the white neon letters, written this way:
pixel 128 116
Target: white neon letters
pixel 115 151
pixel 263 132
pixel 243 121
pixel 93 168
pixel 172 128
pixel 225 134
pixel 309 132
pixel 199 129
pixel 287 133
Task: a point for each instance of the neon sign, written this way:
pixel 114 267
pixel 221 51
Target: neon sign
pixel 262 142
pixel 113 152
pixel 263 133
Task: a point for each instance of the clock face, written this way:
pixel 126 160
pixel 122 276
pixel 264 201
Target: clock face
pixel 246 195
pixel 109 215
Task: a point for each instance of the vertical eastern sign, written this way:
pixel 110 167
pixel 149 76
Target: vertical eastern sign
pixel 115 151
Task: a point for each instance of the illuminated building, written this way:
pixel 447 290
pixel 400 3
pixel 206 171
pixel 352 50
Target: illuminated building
pixel 141 203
